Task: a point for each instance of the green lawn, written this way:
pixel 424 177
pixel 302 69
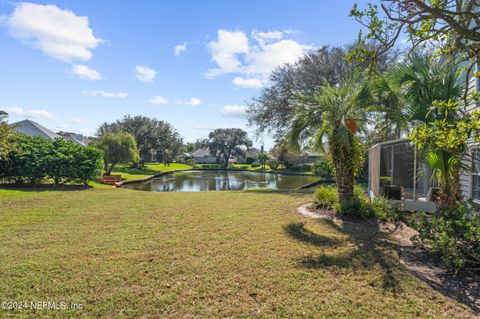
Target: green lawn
pixel 131 254
pixel 146 171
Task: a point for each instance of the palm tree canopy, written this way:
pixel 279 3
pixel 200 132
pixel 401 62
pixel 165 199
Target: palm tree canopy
pixel 328 110
pixel 423 80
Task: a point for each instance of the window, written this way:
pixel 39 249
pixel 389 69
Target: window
pixel 476 173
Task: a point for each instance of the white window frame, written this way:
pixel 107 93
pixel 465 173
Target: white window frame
pixel 472 174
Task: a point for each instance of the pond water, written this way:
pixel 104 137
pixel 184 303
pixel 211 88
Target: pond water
pixel 198 181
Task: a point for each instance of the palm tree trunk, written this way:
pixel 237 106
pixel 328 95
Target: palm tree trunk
pixel 345 181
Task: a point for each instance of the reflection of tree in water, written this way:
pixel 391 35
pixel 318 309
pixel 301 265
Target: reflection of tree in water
pixel 205 181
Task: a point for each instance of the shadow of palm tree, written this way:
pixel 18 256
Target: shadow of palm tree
pixel 299 232
pixel 370 248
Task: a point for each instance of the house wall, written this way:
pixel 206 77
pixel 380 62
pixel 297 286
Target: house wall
pixel 205 160
pixel 466 177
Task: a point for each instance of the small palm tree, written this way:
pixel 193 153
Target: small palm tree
pixel 335 113
pixel 263 159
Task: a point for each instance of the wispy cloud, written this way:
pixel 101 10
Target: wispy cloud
pixel 85 73
pixel 144 73
pixel 180 48
pixel 105 94
pixel 18 111
pixel 191 101
pixel 158 100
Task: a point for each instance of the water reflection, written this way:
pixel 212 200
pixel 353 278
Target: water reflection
pixel 199 181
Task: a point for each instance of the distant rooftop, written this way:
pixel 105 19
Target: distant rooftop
pixel 32 128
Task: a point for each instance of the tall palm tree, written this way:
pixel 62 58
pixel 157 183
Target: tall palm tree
pixel 334 113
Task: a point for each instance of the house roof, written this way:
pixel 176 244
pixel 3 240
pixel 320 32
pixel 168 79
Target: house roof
pixel 32 128
pixel 72 138
pixel 202 152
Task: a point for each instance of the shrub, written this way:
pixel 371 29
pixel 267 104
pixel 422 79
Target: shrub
pixel 88 164
pixel 255 164
pixel 322 169
pixel 250 160
pixel 190 161
pixel 274 164
pixel 453 234
pixel 326 196
pixel 384 211
pixel 36 159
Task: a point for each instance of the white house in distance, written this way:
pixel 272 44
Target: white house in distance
pixel 203 156
pixel 32 128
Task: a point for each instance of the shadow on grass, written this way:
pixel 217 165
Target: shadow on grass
pixel 369 249
pixel 299 232
pixel 44 187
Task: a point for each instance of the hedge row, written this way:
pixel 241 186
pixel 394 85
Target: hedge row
pixel 35 159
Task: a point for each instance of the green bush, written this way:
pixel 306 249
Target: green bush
pixel 453 234
pixel 274 164
pixel 322 169
pixel 36 159
pixel 384 211
pixel 326 196
pixel 250 160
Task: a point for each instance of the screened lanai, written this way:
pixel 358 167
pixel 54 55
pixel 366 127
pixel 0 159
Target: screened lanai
pixel 396 172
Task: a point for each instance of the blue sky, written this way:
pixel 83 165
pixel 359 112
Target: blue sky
pixel 71 65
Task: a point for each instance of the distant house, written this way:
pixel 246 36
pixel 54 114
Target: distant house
pixel 73 137
pixel 251 152
pixel 203 156
pixel 312 157
pixel 32 128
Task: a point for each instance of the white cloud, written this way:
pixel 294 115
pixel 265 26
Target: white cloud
pixel 105 94
pixel 248 82
pixel 85 73
pixel 235 53
pixel 158 100
pixel 234 110
pixel 180 48
pixel 263 61
pixel 144 73
pixel 191 101
pixel 58 33
pixel 18 111
pixel 225 52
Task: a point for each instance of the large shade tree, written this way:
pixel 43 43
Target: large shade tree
pixel 227 142
pixel 153 137
pixel 451 26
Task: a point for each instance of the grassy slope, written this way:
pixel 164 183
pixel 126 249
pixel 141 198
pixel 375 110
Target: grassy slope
pixel 147 171
pixel 124 253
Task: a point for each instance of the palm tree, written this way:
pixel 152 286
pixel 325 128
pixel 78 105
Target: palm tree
pixel 390 120
pixel 424 81
pixel 334 113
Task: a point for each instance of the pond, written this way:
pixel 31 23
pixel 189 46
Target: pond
pixel 198 181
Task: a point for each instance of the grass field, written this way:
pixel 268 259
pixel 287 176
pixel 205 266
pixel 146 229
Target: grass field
pixel 130 254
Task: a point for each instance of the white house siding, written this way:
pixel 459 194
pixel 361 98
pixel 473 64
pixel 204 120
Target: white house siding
pixel 466 177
